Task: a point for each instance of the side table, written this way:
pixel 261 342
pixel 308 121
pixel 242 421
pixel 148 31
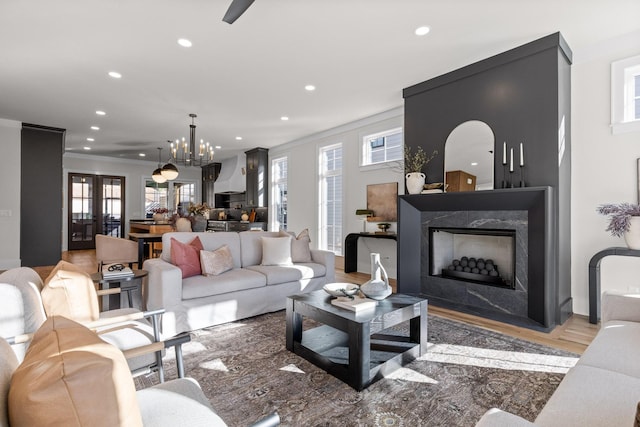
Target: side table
pixel 126 284
pixel 594 278
pixel 351 247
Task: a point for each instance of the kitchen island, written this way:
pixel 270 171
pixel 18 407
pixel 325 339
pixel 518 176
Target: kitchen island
pixel 149 226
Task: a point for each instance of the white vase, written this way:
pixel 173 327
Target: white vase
pixel 632 237
pixel 415 182
pixel 378 287
pixel 158 217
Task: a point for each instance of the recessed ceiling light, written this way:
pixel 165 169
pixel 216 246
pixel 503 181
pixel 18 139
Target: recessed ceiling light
pixel 90 139
pixel 310 88
pixel 474 164
pixel 101 113
pixel 185 42
pixel 238 138
pixel 284 118
pixel 115 74
pixel 217 147
pixel 87 148
pixel 95 128
pixel 142 155
pixel 421 31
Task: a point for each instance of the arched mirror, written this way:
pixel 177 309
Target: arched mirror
pixel 468 157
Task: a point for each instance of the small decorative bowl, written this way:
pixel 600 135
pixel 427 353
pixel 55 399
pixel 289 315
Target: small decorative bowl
pixel 336 289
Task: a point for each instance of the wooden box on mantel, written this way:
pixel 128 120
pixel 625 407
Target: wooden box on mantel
pixel 460 181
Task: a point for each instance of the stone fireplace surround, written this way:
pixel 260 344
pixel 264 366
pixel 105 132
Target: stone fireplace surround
pixel 535 301
pixel 509 301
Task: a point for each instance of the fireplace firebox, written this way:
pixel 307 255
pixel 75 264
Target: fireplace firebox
pixel 484 256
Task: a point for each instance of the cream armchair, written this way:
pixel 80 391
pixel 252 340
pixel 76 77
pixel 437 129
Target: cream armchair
pixel 71 377
pixel 25 303
pixel 110 250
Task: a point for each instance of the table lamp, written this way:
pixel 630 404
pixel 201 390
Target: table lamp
pixel 364 214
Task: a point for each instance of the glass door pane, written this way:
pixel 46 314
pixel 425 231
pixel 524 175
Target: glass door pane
pixel 82 219
pixel 112 205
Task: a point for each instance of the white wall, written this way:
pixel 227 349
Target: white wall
pixel 603 169
pixel 303 183
pixel 10 194
pixel 135 173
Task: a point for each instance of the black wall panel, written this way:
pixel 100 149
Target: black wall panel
pixel 41 195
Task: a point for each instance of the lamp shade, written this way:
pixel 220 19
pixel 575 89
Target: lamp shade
pixel 170 171
pixel 158 177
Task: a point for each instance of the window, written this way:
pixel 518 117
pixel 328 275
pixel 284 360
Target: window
pixel 382 147
pixel 625 95
pixel 184 193
pixel 173 195
pixel 331 198
pixel 279 193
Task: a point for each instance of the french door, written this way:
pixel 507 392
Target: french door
pixel 96 206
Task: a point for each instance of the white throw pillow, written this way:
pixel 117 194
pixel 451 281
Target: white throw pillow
pixel 276 251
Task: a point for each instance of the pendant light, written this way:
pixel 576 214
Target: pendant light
pixel 157 174
pixel 169 171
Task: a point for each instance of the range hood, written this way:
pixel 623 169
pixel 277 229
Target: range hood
pixel 232 178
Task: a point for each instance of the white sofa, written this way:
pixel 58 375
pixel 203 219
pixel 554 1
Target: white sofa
pixel 247 290
pixel 603 389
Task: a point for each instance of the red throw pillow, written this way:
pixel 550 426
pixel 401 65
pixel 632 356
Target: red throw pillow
pixel 187 256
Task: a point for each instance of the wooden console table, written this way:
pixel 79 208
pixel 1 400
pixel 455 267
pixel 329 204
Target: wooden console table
pixel 594 278
pixel 351 248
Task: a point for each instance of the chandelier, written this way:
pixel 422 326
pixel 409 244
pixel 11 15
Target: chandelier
pixel 186 153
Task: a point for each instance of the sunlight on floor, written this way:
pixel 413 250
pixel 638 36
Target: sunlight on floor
pixel 406 374
pixel 498 359
pixel 292 368
pixel 214 365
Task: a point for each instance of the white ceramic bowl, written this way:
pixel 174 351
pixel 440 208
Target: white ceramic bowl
pixel 333 289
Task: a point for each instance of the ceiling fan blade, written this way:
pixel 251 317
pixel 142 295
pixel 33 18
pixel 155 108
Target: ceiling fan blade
pixel 236 8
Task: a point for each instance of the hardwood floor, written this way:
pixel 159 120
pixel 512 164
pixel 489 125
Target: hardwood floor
pixel 574 335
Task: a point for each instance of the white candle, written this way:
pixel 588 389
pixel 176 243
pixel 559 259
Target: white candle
pixel 521 155
pixel 511 162
pixel 504 153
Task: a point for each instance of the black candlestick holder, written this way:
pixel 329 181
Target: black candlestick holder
pixel 522 183
pixel 511 179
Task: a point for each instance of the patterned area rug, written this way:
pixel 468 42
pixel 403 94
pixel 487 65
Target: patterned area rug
pixel 246 371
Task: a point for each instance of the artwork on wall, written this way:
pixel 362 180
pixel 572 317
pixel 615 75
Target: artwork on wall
pixel 382 199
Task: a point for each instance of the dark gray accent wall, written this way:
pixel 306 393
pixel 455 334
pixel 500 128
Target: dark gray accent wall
pixel 41 195
pixel 524 95
pixel 519 94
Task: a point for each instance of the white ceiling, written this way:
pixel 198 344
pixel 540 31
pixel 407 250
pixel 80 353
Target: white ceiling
pixel 241 78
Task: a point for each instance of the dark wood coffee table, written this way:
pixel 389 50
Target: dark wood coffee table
pixel 359 349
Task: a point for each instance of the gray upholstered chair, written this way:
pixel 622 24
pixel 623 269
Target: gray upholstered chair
pixel 111 250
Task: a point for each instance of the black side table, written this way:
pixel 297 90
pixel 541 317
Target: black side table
pixel 351 248
pixel 594 278
pixel 126 284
